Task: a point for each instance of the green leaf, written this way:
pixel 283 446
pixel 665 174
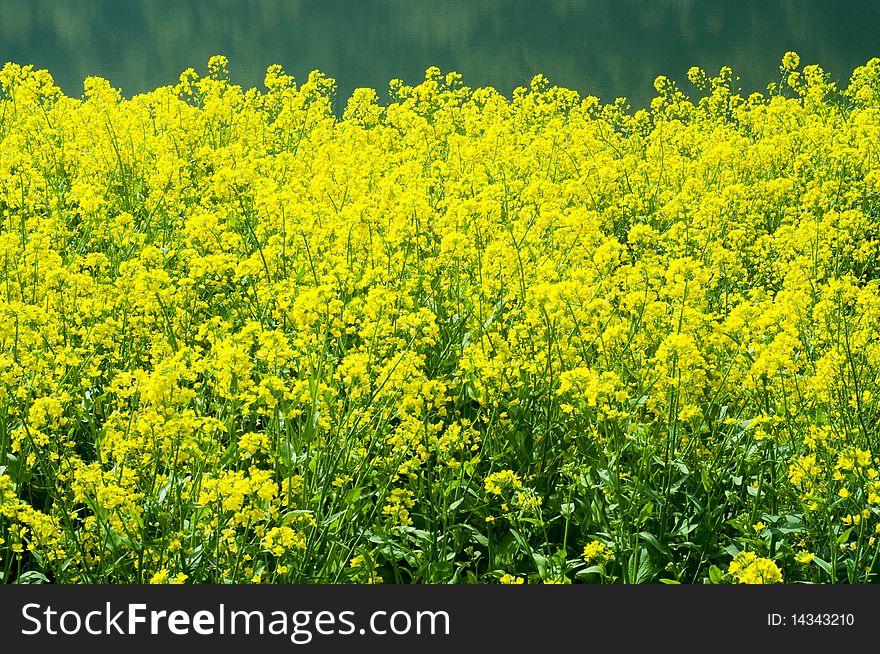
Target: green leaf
pixel 646 567
pixel 704 477
pixel 542 564
pixel 288 455
pixel 480 539
pixel 32 577
pixel 592 570
pixel 715 575
pixel 524 546
pixel 823 565
pixel 656 544
pixel 19 473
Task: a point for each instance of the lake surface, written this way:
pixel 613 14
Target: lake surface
pixel 607 48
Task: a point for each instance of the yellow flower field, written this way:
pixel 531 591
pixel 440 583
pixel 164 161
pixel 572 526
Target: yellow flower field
pixel 458 337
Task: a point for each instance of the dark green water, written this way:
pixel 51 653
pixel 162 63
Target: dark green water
pixel 607 48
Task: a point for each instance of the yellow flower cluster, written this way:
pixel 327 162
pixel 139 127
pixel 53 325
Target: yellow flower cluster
pixel 748 568
pixel 499 482
pixel 280 540
pixel 510 580
pixel 246 338
pixel 597 552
